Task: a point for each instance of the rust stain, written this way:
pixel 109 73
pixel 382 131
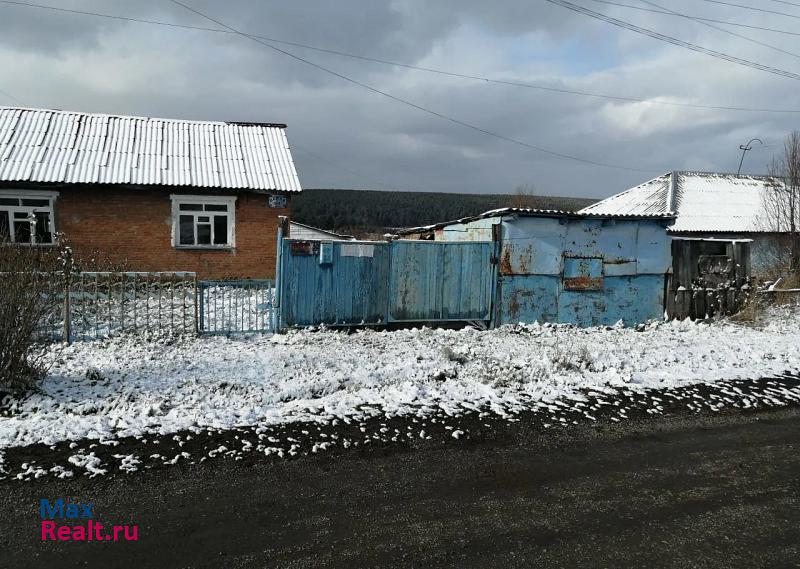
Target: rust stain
pixel 522 257
pixel 617 261
pixel 302 248
pixel 505 262
pixel 583 283
pixel 513 303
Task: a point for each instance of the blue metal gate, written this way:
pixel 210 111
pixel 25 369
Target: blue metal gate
pixel 440 281
pixel 373 283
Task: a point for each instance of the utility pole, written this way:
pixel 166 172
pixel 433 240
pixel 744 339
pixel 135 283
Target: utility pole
pixel 744 148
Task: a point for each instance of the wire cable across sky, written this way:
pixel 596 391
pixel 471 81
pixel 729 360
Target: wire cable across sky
pixel 412 104
pixel 673 40
pixel 442 72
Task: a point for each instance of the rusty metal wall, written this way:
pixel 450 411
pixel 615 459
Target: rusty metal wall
pixel 582 271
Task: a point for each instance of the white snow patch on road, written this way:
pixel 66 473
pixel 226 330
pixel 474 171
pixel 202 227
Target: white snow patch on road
pixel 88 462
pixel 160 387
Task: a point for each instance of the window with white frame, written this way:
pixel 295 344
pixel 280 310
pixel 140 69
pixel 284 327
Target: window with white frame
pixel 203 221
pixel 27 218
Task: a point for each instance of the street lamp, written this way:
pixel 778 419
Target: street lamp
pixel 744 148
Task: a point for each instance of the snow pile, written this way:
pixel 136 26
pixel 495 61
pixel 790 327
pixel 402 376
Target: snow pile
pixel 88 462
pixel 127 386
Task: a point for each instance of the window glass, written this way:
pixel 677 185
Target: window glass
pixel 35 203
pixel 4 227
pixel 220 230
pixel 26 219
pixel 203 224
pixel 204 234
pixel 186 230
pixel 43 234
pixel 22 229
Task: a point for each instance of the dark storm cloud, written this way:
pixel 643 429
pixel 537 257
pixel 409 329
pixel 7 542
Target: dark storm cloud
pixel 348 136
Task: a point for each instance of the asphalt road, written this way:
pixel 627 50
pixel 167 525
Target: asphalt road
pixel 708 490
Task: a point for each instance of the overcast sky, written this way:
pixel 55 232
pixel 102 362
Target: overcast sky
pixel 343 135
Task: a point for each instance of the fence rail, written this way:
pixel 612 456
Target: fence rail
pixel 235 307
pixel 95 305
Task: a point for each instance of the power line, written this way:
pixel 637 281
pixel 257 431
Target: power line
pixel 787 3
pixel 442 72
pixel 372 180
pixel 698 18
pixel 674 41
pixel 744 7
pixel 723 30
pixel 410 103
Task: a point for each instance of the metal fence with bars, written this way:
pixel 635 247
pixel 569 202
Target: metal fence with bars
pixel 235 307
pixel 98 304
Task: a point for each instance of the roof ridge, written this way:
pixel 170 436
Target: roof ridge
pixel 141 117
pixel 623 192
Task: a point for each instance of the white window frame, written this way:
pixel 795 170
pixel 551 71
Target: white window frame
pixel 229 201
pixel 30 195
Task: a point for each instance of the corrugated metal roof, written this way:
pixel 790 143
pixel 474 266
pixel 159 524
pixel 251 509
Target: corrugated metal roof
pixel 701 201
pixel 38 145
pixel 531 212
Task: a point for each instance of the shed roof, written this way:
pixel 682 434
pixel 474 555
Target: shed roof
pixel 531 212
pixel 39 145
pixel 701 201
pixel 341 236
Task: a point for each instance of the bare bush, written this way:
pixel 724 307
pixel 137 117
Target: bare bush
pixel 524 196
pixel 31 279
pixel 782 199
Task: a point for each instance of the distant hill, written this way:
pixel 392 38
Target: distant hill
pixel 360 211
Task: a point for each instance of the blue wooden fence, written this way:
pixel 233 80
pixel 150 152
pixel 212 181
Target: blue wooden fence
pixel 344 283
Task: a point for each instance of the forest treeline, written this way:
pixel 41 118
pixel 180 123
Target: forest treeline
pixel 362 211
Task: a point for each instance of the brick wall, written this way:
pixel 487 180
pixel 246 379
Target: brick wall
pixel 133 228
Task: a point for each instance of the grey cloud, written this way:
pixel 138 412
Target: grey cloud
pixel 89 64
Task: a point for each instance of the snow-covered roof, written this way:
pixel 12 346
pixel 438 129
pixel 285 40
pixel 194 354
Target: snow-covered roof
pixel 531 212
pixel 38 145
pixel 701 201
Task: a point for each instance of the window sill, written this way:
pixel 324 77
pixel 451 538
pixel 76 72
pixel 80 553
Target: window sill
pixel 204 247
pixel 31 245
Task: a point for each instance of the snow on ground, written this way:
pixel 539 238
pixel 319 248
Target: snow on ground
pixel 129 386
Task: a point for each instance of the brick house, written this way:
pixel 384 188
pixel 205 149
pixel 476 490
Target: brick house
pixel 147 194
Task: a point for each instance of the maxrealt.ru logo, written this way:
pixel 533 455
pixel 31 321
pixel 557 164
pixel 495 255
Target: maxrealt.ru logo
pixel 79 523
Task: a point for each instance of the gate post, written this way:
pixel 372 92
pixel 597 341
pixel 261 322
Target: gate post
pixel 283 231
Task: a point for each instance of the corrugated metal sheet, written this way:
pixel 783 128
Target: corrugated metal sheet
pixel 522 212
pixel 648 198
pixel 66 147
pixel 702 202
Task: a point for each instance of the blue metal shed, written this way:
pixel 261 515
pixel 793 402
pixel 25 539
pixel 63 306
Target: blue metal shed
pixel 559 266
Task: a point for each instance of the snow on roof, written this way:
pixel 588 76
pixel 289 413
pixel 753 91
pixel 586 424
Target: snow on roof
pixel 39 145
pixel 532 212
pixel 701 201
